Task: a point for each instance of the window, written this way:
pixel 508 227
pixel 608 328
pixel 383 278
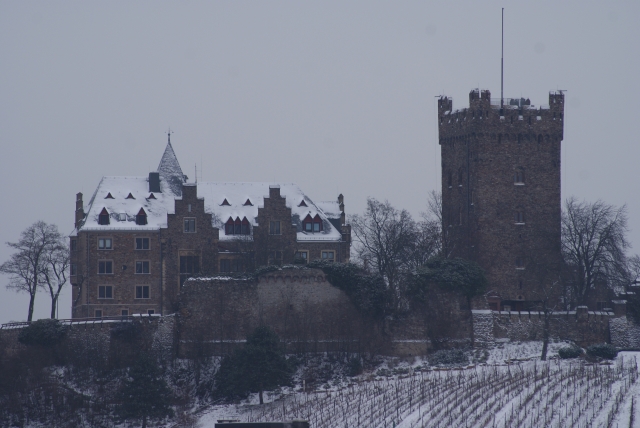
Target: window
pixel 312 224
pixel 230 265
pixel 247 203
pixel 142 291
pixel 74 245
pixel 105 244
pixel 142 266
pixel 105 267
pixel 189 225
pixel 460 177
pixel 519 217
pixel 302 257
pixel 519 263
pixel 105 292
pixel 274 228
pixel 142 243
pixel 189 266
pixel 141 217
pixel 124 312
pixel 73 269
pixel 103 217
pixel 450 179
pixel 518 177
pixel 275 257
pixel 98 313
pixel 150 312
pixel 459 216
pixel 328 256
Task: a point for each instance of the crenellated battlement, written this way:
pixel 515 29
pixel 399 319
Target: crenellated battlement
pixel 516 117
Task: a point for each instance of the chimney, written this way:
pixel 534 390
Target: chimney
pixel 79 210
pixel 343 219
pixel 154 182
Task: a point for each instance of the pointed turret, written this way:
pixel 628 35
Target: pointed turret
pixel 170 171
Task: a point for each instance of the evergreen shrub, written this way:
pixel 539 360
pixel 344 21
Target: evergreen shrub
pixel 571 351
pixel 45 332
pixel 449 357
pixel 602 350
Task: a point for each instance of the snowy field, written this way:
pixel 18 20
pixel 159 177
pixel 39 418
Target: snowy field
pixel 507 386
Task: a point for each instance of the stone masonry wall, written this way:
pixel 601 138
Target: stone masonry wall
pixel 582 327
pixel 307 312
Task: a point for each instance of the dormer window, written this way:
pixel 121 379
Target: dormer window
pixel 129 196
pixel 109 196
pixel 152 196
pixel 141 217
pixel 302 203
pixel 247 203
pixel 225 203
pixel 103 217
pixel 237 226
pixel 312 225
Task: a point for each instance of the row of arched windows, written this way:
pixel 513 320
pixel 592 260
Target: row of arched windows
pixel 237 226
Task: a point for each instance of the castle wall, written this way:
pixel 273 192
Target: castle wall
pixel 307 312
pixel 582 327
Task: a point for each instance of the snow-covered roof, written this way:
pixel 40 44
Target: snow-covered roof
pixel 123 197
pixel 238 194
pixel 169 169
pixel 330 208
pixel 113 193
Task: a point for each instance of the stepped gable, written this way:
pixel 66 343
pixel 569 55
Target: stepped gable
pixel 170 170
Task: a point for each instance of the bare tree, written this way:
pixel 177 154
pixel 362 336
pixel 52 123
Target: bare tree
pixel 385 238
pixel 593 245
pixel 27 264
pixel 55 270
pixel 427 242
pixel 434 214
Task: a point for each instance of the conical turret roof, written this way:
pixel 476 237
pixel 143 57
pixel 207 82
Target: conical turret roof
pixel 170 170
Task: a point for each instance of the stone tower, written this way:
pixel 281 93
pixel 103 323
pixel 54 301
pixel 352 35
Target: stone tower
pixel 501 193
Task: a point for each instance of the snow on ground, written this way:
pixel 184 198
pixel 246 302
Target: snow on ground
pixel 506 386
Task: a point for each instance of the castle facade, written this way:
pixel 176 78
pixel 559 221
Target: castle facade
pixel 139 238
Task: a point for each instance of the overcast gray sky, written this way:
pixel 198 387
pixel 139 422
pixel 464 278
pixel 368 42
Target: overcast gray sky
pixel 335 96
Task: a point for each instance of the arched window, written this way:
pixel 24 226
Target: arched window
pixel 141 217
pixel 237 230
pixel 518 177
pixel 519 217
pixel 246 228
pixel 228 227
pixel 103 217
pixel 460 177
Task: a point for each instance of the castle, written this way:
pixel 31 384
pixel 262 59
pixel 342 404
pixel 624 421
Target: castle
pixel 140 238
pixel 501 203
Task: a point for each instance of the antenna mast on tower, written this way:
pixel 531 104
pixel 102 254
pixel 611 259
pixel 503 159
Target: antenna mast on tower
pixel 502 69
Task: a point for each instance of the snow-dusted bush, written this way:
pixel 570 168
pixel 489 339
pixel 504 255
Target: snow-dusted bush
pixel 45 332
pixel 449 357
pixel 571 351
pixel 602 350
